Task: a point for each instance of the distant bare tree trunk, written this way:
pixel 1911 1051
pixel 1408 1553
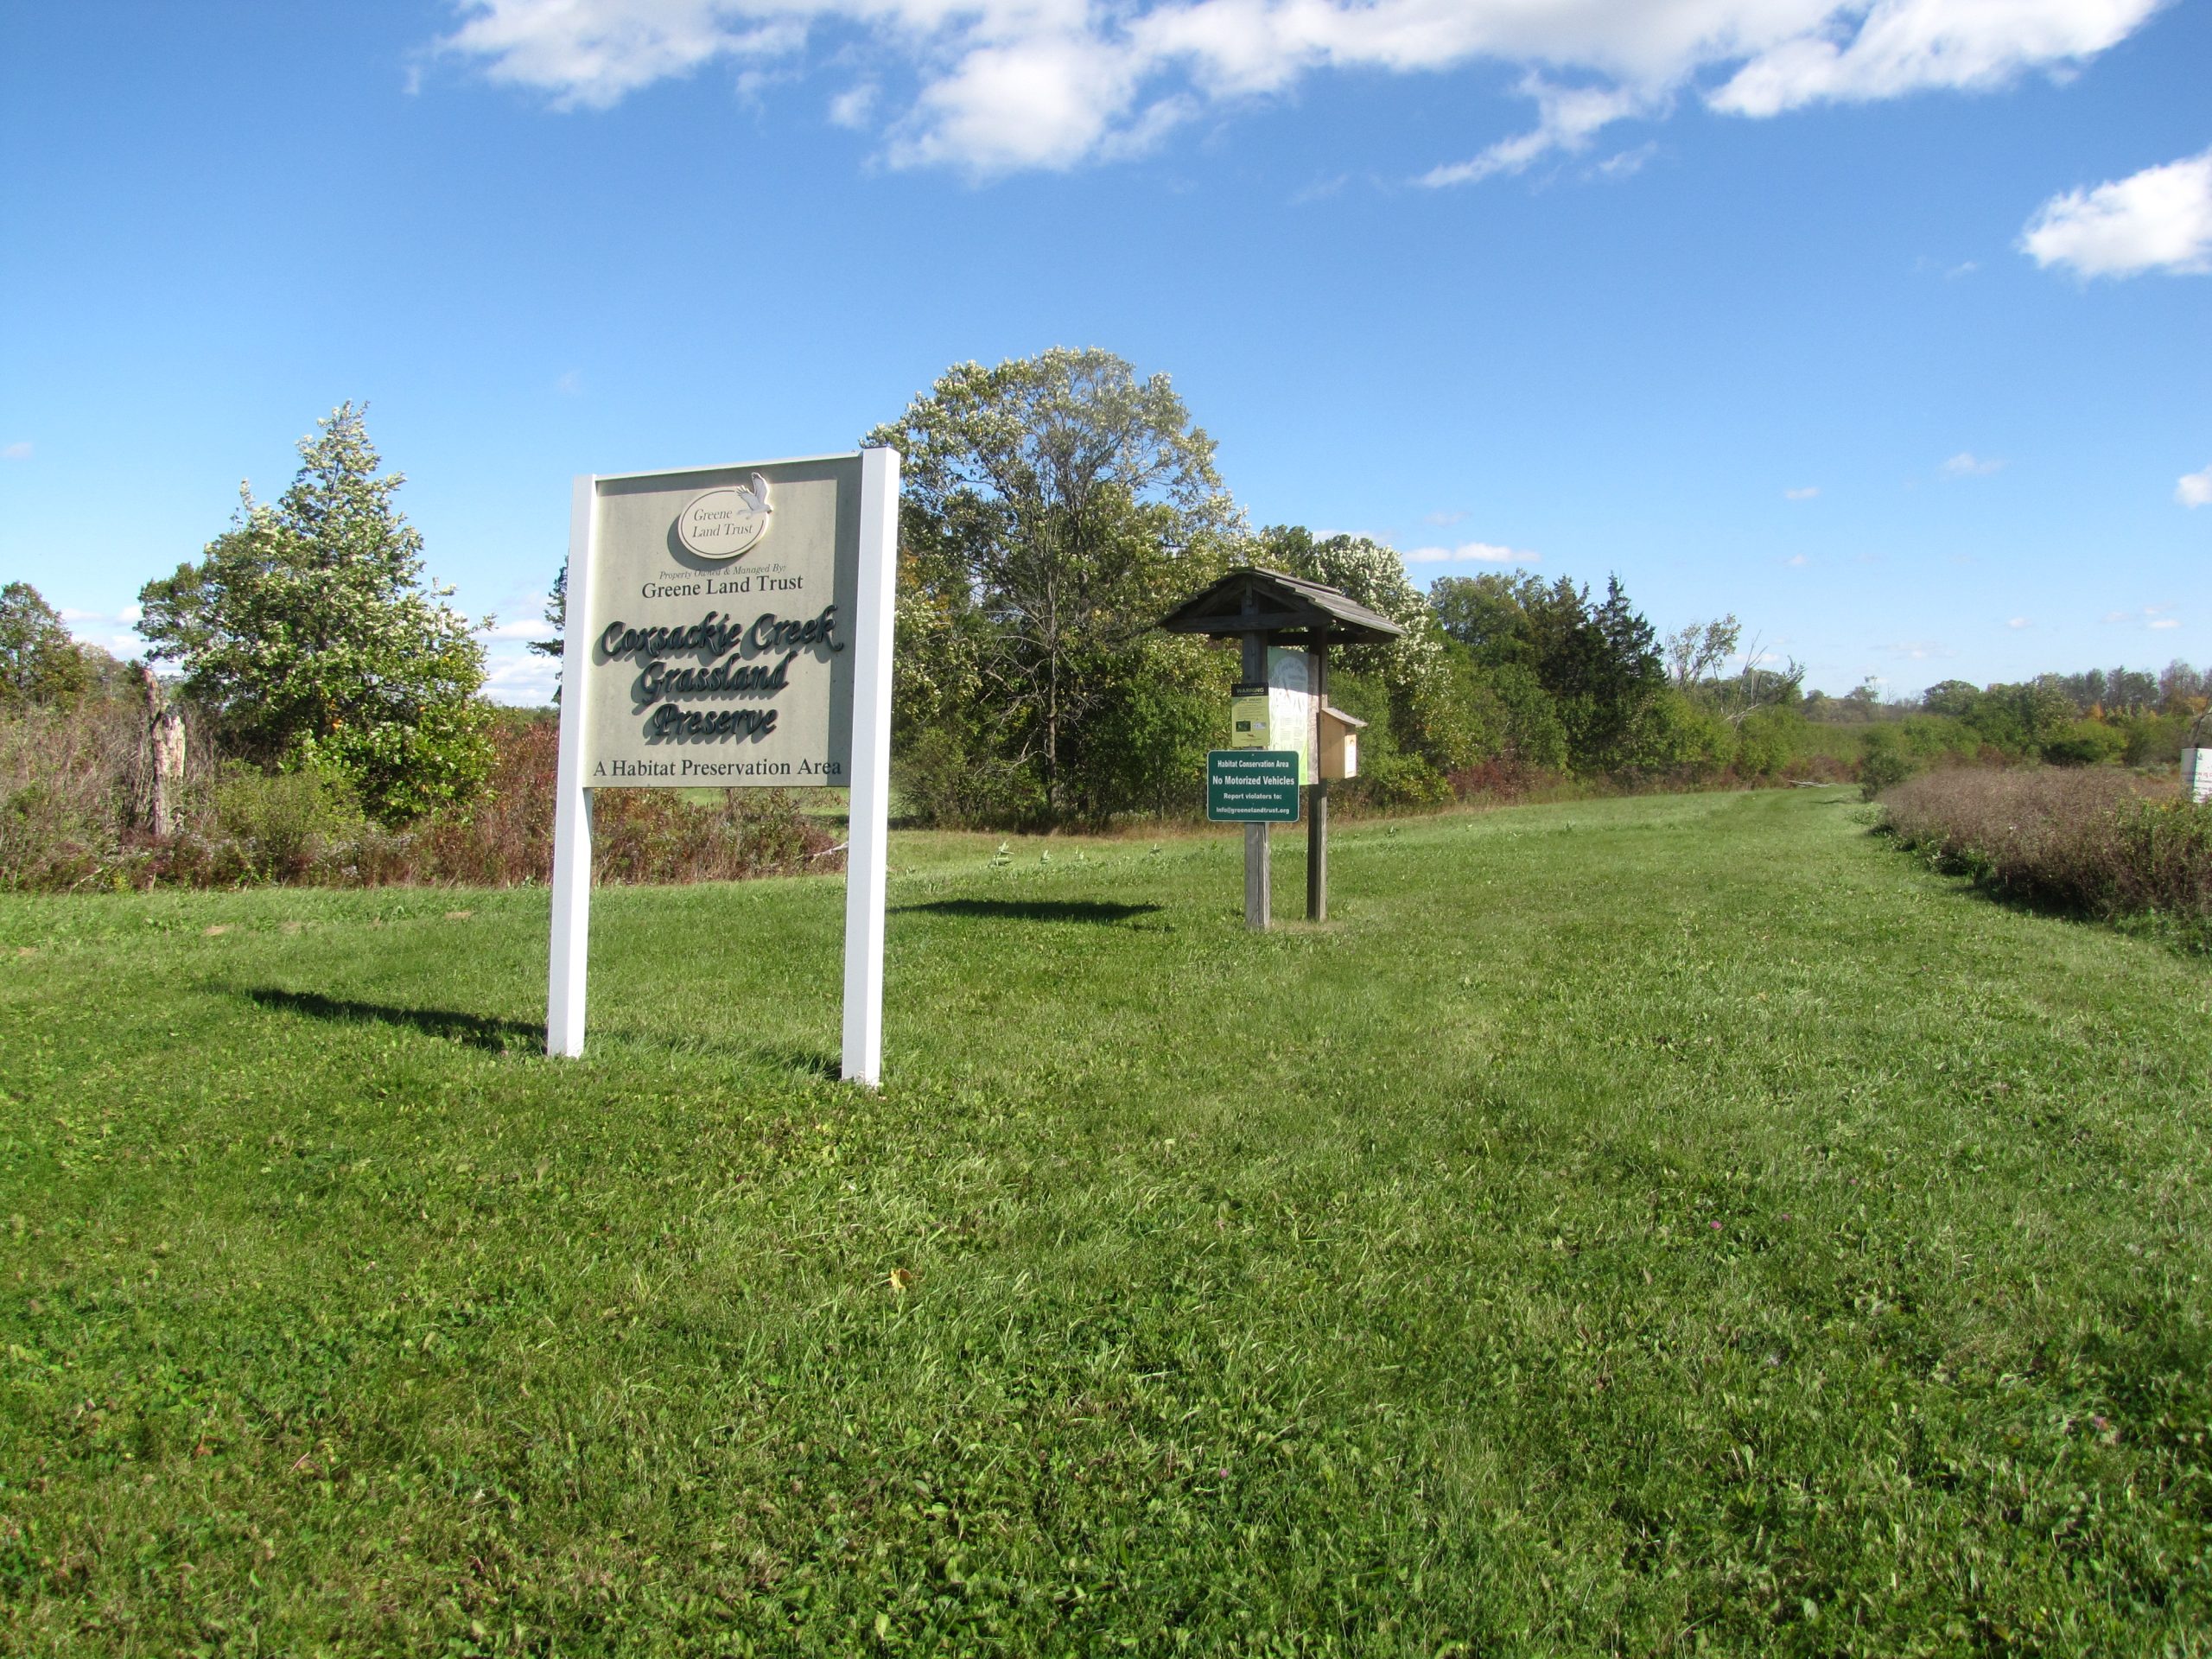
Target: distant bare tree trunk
pixel 164 773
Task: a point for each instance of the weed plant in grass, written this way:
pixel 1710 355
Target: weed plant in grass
pixel 2095 840
pixel 1637 1226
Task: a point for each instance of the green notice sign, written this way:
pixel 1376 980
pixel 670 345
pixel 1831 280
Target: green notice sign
pixel 1252 786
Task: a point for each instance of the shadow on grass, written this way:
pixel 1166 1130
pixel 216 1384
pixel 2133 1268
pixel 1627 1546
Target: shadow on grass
pixel 809 1061
pixel 1035 910
pixel 2187 935
pixel 713 1046
pixel 477 1030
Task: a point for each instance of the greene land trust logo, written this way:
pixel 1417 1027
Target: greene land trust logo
pixel 725 523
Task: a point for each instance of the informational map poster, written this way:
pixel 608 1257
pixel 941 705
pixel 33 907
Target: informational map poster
pixel 1291 706
pixel 718 620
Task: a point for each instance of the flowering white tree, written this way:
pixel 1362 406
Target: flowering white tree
pixel 308 635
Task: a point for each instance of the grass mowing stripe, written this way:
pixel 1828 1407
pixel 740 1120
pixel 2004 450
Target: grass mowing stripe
pixel 1633 1225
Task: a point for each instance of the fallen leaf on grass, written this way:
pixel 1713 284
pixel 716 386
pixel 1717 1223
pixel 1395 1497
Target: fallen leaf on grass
pixel 900 1279
pixel 219 927
pixel 459 915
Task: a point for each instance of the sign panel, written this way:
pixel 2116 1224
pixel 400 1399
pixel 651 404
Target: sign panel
pixel 719 608
pixel 1252 786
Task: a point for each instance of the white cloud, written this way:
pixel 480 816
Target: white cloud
pixel 1628 163
pixel 995 86
pixel 851 107
pixel 2018 622
pixel 16 451
pixel 526 679
pixel 571 383
pixel 2151 616
pixel 126 617
pixel 1909 46
pixel 1920 651
pixel 2193 489
pixel 1321 189
pixel 1440 518
pixel 592 54
pixel 1567 118
pixel 1472 552
pixel 2157 219
pixel 1805 494
pixel 1967 464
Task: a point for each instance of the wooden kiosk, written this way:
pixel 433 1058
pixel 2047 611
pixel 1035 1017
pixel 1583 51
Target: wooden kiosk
pixel 1263 609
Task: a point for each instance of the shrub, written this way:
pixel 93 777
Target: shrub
pixel 67 781
pixel 310 638
pixel 2085 743
pixel 943 780
pixel 2094 840
pixel 1887 763
pixel 1676 740
pixel 1766 741
pixel 68 786
pixel 279 826
pixel 1390 779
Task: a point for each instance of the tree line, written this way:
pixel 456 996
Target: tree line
pixel 1054 508
pixel 1057 505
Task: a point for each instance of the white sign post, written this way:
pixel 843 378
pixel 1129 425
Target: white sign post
pixel 730 628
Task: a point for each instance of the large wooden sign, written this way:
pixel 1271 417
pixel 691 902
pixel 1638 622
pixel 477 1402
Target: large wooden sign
pixel 730 628
pixel 722 606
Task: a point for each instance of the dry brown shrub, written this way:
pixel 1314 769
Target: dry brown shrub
pixel 67 784
pixel 639 835
pixel 2094 839
pixel 71 782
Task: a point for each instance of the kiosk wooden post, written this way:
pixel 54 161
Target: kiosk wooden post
pixel 1317 806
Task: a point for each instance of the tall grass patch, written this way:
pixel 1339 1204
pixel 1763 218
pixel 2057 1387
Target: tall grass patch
pixel 71 788
pixel 2102 842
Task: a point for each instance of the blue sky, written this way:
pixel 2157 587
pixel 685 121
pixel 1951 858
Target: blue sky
pixel 1886 328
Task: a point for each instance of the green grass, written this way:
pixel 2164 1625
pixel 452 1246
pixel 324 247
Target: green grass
pixel 1643 1226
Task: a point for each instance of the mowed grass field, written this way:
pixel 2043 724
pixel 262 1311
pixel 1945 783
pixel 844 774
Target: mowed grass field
pixel 1648 1226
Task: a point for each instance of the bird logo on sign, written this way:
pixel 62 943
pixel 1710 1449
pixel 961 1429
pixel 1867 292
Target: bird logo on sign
pixel 726 522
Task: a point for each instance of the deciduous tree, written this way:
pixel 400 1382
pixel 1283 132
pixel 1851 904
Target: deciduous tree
pixel 39 661
pixel 308 632
pixel 1053 507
